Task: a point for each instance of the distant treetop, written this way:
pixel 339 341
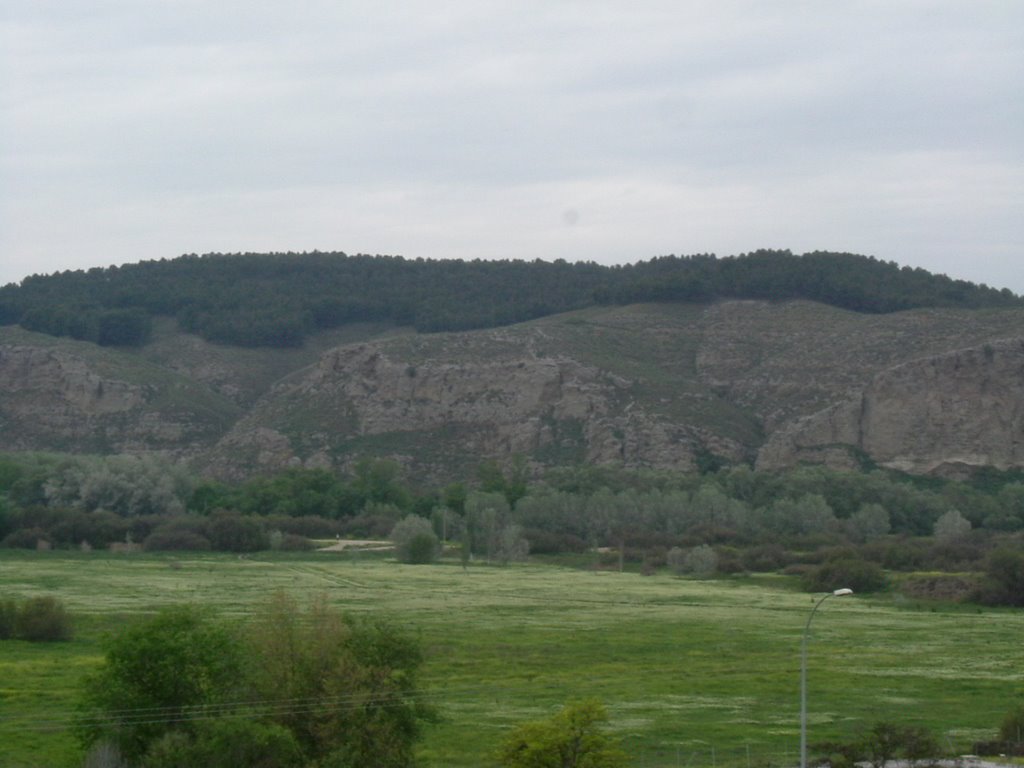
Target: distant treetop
pixel 277 299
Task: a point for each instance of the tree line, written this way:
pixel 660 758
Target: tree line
pixel 278 299
pixel 822 524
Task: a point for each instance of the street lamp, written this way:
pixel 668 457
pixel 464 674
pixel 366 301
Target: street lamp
pixel 803 673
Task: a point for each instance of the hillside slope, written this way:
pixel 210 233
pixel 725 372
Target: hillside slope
pixel 656 385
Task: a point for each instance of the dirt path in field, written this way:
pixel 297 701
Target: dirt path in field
pixel 368 544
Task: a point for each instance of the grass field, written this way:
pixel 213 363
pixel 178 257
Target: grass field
pixel 692 672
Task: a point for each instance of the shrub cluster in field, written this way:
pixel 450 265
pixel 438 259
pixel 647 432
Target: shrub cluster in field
pixel 1011 736
pixel 37 619
pixel 886 741
pixel 832 528
pixel 882 743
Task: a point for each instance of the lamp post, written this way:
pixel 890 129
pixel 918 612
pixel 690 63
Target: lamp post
pixel 803 673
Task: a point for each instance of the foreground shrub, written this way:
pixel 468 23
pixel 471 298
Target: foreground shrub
pixel 571 738
pixel 291 688
pixel 227 742
pixel 171 663
pixel 103 754
pixel 43 619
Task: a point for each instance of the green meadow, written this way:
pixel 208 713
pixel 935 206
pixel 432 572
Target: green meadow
pixel 692 672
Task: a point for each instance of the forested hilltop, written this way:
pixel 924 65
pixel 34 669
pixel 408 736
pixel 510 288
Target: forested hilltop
pixel 278 299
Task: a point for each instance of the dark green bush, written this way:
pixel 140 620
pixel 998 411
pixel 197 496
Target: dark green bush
pixel 880 745
pixel 1012 727
pixel 43 619
pixel 171 540
pixel 858 575
pixel 1004 579
pixel 25 538
pixel 764 559
pixel 226 742
pixel 422 549
pixel 548 543
pixel 8 618
pixel 231 532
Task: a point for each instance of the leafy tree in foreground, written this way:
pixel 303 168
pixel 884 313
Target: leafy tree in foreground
pixel 158 677
pixel 570 739
pixel 293 687
pixel 355 680
pixel 227 742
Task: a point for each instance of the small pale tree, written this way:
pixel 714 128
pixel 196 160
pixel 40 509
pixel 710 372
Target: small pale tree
pixel 486 515
pixel 808 515
pixel 512 545
pixel 676 559
pixel 415 540
pixel 701 561
pixel 951 526
pixel 345 687
pixel 869 522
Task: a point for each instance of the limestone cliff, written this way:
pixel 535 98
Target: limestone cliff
pixel 659 386
pixel 444 411
pixel 941 415
pixel 53 399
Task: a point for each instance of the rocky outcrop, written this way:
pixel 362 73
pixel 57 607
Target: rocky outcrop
pixel 46 375
pixel 53 399
pixel 658 386
pixel 938 415
pixel 456 411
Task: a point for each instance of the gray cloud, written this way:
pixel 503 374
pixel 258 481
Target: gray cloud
pixel 469 129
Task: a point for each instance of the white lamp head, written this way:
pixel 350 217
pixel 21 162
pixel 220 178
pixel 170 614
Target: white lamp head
pixel 843 591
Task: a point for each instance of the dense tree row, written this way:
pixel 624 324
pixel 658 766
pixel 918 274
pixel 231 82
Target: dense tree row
pixel 824 524
pixel 278 299
pixel 846 280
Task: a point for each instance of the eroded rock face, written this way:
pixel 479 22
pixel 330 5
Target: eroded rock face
pixel 936 415
pixel 53 400
pixel 43 375
pixel 518 404
pixel 644 386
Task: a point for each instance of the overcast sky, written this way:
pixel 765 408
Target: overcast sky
pixel 604 131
